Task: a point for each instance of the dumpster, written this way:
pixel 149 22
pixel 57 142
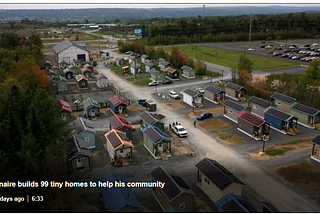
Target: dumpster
pixel 151 105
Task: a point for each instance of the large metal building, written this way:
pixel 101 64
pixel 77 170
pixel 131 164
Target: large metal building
pixel 70 52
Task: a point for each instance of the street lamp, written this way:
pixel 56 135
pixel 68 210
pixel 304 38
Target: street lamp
pixel 222 77
pixel 264 143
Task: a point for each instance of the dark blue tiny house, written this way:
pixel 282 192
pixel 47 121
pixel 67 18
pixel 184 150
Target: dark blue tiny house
pixel 117 105
pixel 282 121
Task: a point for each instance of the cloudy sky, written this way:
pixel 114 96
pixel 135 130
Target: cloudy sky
pixel 77 4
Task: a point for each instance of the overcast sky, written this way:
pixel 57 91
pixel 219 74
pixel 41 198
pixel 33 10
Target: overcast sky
pixel 76 4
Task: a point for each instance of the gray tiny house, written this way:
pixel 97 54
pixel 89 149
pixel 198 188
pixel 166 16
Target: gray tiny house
pixel 85 131
pixel 231 110
pixel 236 92
pixel 79 156
pixel 188 72
pixel 214 94
pixel 62 84
pixel 282 102
pixel 91 108
pixel 258 106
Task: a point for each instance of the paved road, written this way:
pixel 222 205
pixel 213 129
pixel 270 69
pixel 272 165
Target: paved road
pixel 84 41
pixel 271 189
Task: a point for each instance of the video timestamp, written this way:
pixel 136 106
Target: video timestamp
pixel 37 198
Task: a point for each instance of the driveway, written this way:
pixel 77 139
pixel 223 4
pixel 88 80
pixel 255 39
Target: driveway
pixel 271 189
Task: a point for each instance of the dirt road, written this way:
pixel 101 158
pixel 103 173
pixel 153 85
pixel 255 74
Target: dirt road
pixel 269 188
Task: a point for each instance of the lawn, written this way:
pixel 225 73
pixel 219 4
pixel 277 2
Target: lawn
pixel 131 79
pixel 283 148
pixel 232 139
pixel 143 82
pixel 116 69
pixel 230 58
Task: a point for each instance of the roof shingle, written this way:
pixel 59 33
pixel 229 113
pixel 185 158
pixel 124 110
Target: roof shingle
pixel 259 101
pixel 283 98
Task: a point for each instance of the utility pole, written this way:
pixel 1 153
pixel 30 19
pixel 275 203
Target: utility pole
pixel 287 38
pixel 250 28
pixel 204 6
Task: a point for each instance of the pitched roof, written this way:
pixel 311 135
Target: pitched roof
pixel 64 45
pixel 259 101
pixel 279 114
pixel 80 126
pixel 251 118
pixel 116 198
pixel 174 184
pixel 135 64
pixel 65 105
pixel 80 77
pixel 283 98
pixel 214 89
pixel 219 175
pixel 88 103
pixel 145 56
pixel 116 100
pixel 67 70
pixel 305 109
pixel 61 78
pixel 117 122
pixel 316 140
pixel 154 71
pixel 78 146
pixel 190 92
pixel 101 76
pixel 231 203
pixel 117 139
pixel 234 86
pixel 148 118
pixel 149 63
pixel 170 70
pixel 234 105
pixel 155 134
pixel 186 68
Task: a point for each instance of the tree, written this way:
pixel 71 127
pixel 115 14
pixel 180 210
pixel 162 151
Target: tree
pixel 245 64
pixel 313 72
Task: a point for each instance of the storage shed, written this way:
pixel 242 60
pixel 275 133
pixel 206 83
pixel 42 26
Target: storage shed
pixel 236 92
pixel 70 52
pixel 214 94
pixel 282 121
pixel 258 106
pixel 231 110
pixel 253 126
pixel 307 116
pixel 282 102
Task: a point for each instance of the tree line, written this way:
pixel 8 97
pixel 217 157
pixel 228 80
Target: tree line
pixel 34 138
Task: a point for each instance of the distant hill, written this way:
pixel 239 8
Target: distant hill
pixel 100 14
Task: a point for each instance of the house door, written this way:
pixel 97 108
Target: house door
pixel 81 57
pixel 93 114
pixel 160 148
pixel 120 109
pixel 64 116
pixel 80 163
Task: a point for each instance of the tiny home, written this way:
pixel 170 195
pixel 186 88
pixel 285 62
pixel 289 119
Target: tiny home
pixel 231 110
pixel 91 108
pixel 144 58
pixel 253 126
pixel 188 72
pixel 157 142
pixel 120 61
pixel 192 98
pixel 120 123
pixel 315 155
pixel 149 66
pixel 118 199
pixel 216 181
pixel 79 156
pixel 85 131
pixel 232 203
pixel 62 84
pixel 307 116
pixel 236 92
pixel 132 59
pixel 163 64
pixel 135 67
pixel 65 110
pixel 117 105
pixel 86 72
pixel 82 82
pixel 102 81
pixel 68 73
pixel 258 106
pixel 172 73
pixel 53 72
pixel 282 121
pixel 155 75
pixel 282 102
pixel 214 94
pixel 150 119
pixel 119 147
pixel 176 192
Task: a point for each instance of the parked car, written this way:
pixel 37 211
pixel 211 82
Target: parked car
pixel 154 83
pixel 292 47
pixel 315 44
pixel 263 42
pixel 180 131
pixel 204 116
pixel 269 46
pixel 270 52
pixel 250 49
pixel 166 82
pixel 200 90
pixel 298 58
pixel 279 48
pixel 276 54
pixel 142 102
pixel 307 46
pixel 284 56
pixel 173 94
pixel 283 45
pixel 286 51
pixel 262 46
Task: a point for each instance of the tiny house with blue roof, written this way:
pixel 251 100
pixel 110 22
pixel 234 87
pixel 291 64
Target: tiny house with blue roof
pixel 214 94
pixel 232 203
pixel 118 199
pixel 157 142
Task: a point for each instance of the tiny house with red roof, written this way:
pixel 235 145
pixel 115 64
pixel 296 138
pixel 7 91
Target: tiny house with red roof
pixel 65 110
pixel 253 126
pixel 118 106
pixel 120 123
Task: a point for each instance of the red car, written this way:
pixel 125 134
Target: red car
pixel 270 52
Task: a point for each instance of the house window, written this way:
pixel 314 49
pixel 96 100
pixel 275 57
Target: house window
pixel 175 75
pixel 255 107
pixel 79 159
pixel 83 83
pixel 278 103
pixel 62 85
pixel 121 151
pixel 160 145
pixel 182 205
pixel 230 111
pixel 207 181
pixel 87 139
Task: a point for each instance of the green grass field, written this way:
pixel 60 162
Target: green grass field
pixel 142 83
pixel 231 58
pixel 131 79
